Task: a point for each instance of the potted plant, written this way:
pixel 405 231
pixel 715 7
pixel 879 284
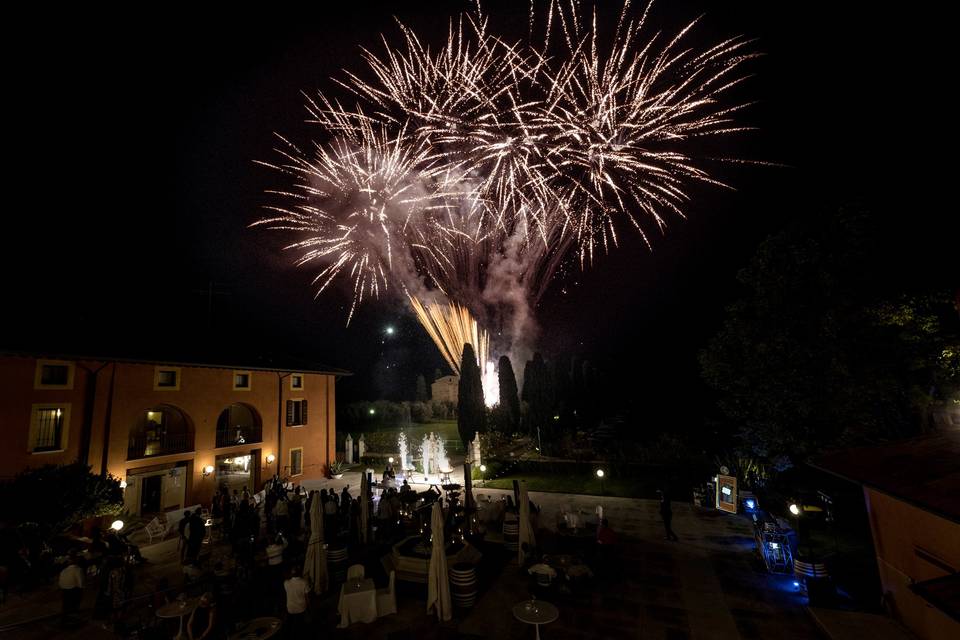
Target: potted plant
pixel 336 469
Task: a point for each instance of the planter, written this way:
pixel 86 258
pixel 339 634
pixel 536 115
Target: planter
pixel 337 476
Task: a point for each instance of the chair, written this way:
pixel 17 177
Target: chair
pixel 155 529
pixel 387 598
pixel 355 572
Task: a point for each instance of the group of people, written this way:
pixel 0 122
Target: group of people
pixel 110 561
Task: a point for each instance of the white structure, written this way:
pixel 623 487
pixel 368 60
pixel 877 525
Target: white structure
pixel 441 462
pixel 361 448
pixel 445 389
pixel 404 452
pixel 348 450
pixel 426 453
pixel 476 451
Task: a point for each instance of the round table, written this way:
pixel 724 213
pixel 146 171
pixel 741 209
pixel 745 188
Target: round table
pixel 535 612
pixel 178 609
pixel 258 629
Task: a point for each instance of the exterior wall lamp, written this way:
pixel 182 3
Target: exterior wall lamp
pixel 207 470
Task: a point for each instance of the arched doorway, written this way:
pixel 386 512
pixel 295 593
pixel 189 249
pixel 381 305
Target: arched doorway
pixel 159 431
pixel 238 424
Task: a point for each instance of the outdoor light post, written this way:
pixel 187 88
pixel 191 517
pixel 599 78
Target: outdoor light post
pixel 796 509
pixel 483 469
pixel 600 475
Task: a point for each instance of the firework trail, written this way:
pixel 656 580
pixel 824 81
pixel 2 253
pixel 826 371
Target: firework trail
pixel 466 176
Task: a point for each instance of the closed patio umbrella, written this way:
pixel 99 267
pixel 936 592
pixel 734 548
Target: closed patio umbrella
pixel 438 582
pixel 315 566
pixel 364 508
pixel 525 531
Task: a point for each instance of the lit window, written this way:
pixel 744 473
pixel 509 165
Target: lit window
pixel 48 427
pixel 296 461
pixel 241 380
pixel 296 381
pixel 296 413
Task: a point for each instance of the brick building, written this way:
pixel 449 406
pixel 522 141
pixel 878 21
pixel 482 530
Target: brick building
pixel 172 431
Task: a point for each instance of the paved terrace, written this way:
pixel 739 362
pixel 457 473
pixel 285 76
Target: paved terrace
pixel 709 585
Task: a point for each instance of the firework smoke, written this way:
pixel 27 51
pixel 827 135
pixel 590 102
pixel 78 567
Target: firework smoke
pixel 465 176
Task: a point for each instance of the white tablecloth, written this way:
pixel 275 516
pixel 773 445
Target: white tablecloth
pixel 357 604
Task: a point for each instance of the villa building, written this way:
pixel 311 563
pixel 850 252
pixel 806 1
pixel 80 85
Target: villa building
pixel 172 431
pixel 445 389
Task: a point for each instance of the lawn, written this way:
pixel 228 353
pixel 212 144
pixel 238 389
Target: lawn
pixel 584 483
pixel 386 437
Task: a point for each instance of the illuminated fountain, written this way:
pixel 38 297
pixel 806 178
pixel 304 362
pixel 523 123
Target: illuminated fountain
pixel 440 454
pixel 404 453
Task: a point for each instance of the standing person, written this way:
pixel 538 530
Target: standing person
pixel 195 536
pixel 216 510
pixel 666 512
pixel 71 586
pixel 184 522
pixel 226 506
pixel 297 590
pixel 283 515
pixel 295 509
pixel 330 517
pixel 351 523
pixel 269 505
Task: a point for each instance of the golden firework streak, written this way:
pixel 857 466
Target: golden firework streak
pixel 451 326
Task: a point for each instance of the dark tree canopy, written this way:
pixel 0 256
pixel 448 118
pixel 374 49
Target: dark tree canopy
pixel 53 498
pixel 814 356
pixel 538 393
pixel 509 396
pixel 471 410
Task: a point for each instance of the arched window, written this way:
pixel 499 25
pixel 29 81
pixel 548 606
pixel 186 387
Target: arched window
pixel 238 424
pixel 160 431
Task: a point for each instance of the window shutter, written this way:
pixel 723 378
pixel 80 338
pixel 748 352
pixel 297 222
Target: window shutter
pixel 304 409
pixel 289 413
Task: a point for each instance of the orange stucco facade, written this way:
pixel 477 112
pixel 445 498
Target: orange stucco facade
pixel 101 402
pixel 912 546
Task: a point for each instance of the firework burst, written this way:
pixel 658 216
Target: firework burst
pixel 466 175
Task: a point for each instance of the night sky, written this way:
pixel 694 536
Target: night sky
pixel 136 149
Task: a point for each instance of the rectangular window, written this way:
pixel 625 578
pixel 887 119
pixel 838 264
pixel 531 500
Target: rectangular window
pixel 296 381
pixel 48 427
pixel 166 379
pixel 296 461
pixel 53 374
pixel 241 380
pixel 296 413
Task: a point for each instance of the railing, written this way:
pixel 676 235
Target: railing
pixel 229 437
pixel 144 447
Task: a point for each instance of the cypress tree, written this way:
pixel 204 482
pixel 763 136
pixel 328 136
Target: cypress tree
pixel 538 394
pixel 509 400
pixel 422 389
pixel 471 411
